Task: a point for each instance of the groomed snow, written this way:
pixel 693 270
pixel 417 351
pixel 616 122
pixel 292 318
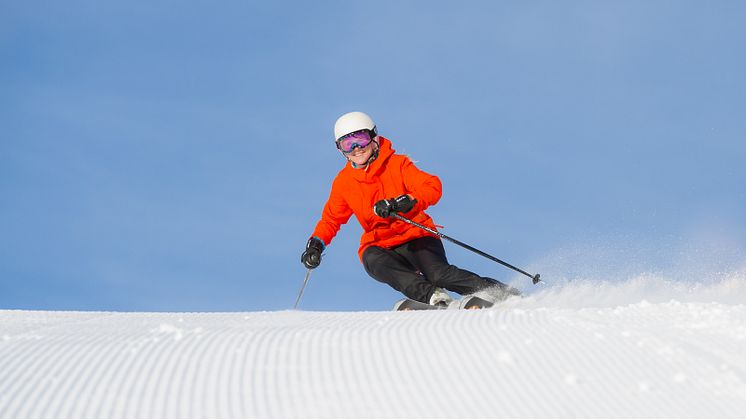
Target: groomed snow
pixel 642 348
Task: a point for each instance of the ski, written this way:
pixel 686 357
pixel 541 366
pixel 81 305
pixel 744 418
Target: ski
pixel 471 302
pixel 406 304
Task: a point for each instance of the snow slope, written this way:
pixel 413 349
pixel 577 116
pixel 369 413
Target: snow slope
pixel 561 353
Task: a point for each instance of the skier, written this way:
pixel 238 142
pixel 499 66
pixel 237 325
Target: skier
pixel 375 183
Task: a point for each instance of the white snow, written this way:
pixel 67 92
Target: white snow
pixel 644 348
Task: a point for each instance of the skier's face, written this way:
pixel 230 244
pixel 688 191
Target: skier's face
pixel 361 155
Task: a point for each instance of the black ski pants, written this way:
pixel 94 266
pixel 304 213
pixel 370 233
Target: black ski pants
pixel 415 268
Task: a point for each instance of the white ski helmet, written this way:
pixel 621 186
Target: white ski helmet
pixel 351 122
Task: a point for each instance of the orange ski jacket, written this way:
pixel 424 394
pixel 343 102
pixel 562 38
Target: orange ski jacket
pixel 355 191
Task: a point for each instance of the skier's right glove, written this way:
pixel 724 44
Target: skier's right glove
pixel 311 257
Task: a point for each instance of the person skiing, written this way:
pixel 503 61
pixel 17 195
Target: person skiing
pixel 375 183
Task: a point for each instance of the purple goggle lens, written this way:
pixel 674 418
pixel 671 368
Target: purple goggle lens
pixel 351 141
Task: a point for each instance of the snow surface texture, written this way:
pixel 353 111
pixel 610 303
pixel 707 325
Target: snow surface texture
pixel 641 348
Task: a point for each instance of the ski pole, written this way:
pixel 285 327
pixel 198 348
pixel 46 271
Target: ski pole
pixel 534 278
pixel 302 288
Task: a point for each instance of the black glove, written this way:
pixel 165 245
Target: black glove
pixel 385 207
pixel 311 257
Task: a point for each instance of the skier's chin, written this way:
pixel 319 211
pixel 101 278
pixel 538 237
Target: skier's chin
pixel 360 160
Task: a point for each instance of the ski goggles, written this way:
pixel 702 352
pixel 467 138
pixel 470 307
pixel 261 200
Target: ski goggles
pixel 350 142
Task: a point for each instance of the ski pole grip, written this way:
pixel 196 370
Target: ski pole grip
pixel 536 279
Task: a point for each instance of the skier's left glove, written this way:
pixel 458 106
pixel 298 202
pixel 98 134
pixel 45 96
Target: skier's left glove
pixel 311 257
pixel 385 207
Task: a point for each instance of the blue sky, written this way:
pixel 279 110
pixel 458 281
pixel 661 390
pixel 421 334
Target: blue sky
pixel 175 157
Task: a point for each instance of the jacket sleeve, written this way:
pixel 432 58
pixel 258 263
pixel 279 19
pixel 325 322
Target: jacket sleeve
pixel 422 186
pixel 335 213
